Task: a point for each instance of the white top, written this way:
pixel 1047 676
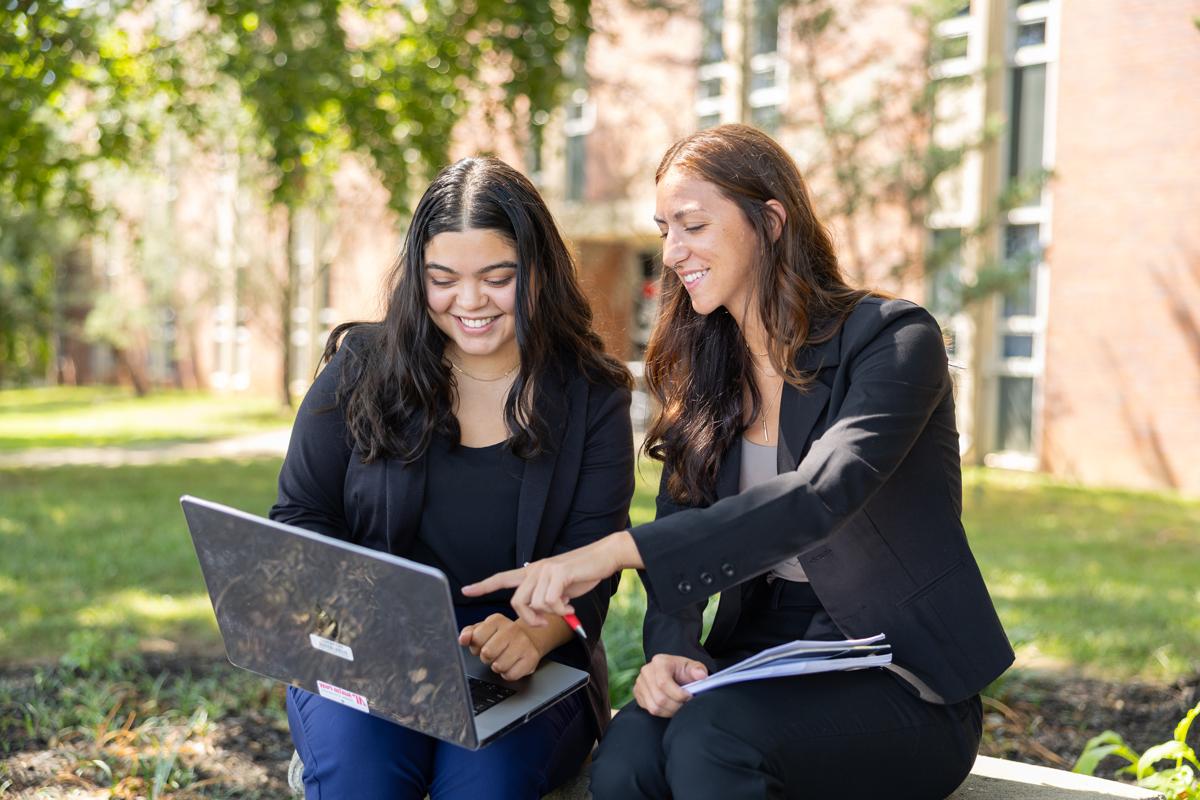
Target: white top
pixel 758 466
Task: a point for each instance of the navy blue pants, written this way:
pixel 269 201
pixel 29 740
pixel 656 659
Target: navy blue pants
pixel 349 754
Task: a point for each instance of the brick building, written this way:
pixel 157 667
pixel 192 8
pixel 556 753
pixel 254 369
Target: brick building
pixel 1088 368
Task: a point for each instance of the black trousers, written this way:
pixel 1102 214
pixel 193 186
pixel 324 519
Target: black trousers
pixel 839 734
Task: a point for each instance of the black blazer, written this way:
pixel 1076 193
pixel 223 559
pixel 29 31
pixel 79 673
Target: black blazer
pixel 573 495
pixel 869 494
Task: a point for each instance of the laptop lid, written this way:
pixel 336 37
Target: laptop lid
pixel 361 627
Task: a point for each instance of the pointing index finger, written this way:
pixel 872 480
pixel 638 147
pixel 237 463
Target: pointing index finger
pixel 501 580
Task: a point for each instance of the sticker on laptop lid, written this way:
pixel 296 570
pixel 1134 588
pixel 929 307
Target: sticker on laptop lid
pixel 343 696
pixel 331 647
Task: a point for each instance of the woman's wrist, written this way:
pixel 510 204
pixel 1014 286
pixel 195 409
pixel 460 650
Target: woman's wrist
pixel 624 550
pixel 549 637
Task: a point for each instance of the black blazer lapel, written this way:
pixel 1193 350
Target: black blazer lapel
pixel 798 413
pixel 405 489
pixel 539 473
pixel 535 488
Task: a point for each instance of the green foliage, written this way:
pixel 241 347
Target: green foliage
pixel 63 94
pixel 291 86
pixel 67 82
pixel 28 249
pixel 1177 782
pixel 101 654
pixel 131 728
pixel 385 80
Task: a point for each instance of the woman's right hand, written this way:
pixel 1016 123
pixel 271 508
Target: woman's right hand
pixel 659 685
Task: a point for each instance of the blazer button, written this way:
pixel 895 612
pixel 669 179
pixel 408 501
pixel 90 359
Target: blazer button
pixel 727 569
pixel 706 578
pixel 684 587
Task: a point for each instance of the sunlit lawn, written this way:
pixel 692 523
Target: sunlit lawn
pixel 104 415
pixel 1106 582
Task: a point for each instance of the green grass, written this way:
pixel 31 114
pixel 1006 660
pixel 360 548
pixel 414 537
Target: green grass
pixel 107 549
pixel 1103 581
pixel 1099 581
pixel 97 416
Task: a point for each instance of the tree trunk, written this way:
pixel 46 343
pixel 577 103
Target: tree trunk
pixel 137 375
pixel 287 299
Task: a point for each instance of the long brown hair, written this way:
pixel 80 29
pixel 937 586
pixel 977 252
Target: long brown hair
pixel 698 366
pixel 397 391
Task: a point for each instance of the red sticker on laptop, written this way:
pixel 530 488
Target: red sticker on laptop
pixel 339 695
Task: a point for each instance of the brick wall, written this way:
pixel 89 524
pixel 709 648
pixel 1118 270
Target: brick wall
pixel 1122 381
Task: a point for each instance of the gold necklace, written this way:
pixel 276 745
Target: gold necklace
pixel 511 370
pixel 762 417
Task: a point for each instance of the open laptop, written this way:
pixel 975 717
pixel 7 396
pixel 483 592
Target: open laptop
pixel 364 628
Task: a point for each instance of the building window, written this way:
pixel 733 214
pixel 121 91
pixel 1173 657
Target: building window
pixel 712 26
pixel 712 79
pixel 764 90
pixel 645 301
pixel 576 167
pixel 765 118
pixel 1031 33
pixel 951 47
pixel 1021 317
pixel 764 27
pixel 581 119
pixel 943 265
pixel 1015 414
pixel 535 143
pixel 1022 254
pixel 1027 121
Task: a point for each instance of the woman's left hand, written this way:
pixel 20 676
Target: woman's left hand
pixel 503 645
pixel 547 586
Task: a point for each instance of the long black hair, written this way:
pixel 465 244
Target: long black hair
pixel 397 390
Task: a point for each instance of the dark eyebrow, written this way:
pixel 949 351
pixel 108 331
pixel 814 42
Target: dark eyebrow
pixel 678 215
pixel 488 268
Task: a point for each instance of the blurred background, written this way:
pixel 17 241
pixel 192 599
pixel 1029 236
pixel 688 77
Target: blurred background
pixel 194 192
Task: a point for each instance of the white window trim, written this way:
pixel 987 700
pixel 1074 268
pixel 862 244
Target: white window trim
pixel 587 114
pixel 1040 215
pixel 718 104
pixel 769 95
pixel 962 65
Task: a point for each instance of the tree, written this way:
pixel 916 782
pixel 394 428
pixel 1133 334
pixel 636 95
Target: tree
pixel 67 81
pixel 291 87
pixel 385 81
pixel 873 124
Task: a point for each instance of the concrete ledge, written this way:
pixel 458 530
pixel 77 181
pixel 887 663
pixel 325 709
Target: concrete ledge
pixel 990 779
pixel 997 779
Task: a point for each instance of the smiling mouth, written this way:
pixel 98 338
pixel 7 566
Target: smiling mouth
pixel 690 278
pixel 477 323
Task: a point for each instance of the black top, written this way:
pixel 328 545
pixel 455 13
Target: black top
pixel 573 493
pixel 469 516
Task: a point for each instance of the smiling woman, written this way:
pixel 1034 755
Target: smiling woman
pixel 478 426
pixel 811 478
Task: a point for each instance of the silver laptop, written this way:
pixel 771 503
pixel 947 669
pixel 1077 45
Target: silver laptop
pixel 363 628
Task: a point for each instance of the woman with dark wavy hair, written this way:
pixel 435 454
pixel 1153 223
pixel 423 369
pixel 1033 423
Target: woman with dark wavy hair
pixel 478 427
pixel 811 476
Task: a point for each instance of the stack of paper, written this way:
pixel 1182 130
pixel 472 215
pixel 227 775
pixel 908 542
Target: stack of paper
pixel 801 657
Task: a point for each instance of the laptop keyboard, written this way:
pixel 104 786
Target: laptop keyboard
pixel 484 695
